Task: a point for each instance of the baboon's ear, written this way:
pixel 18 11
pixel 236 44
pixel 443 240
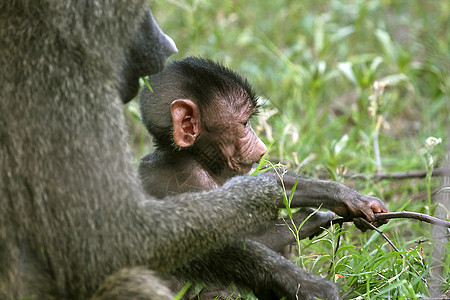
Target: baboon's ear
pixel 186 122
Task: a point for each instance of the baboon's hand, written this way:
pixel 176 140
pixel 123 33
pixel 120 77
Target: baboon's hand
pixel 333 196
pixel 350 203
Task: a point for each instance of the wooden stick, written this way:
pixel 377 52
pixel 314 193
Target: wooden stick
pixel 402 214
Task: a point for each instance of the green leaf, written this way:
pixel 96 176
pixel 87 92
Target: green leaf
pixel 346 69
pixel 147 84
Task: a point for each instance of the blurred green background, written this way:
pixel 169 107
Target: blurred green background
pixel 347 87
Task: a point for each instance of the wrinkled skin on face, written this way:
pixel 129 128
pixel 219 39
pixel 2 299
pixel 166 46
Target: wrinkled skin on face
pixel 231 130
pixel 241 147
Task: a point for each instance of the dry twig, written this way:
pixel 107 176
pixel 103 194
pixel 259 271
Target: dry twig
pixel 402 214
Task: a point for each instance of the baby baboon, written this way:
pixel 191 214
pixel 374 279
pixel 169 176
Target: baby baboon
pixel 199 115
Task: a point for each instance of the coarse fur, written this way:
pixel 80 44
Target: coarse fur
pixel 72 210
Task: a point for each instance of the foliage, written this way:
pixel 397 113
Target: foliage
pixel 348 87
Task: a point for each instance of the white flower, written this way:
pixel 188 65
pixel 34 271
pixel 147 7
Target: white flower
pixel 432 141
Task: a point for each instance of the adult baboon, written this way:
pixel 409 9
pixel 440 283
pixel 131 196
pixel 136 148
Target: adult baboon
pixel 73 215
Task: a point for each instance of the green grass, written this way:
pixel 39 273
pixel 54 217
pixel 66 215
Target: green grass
pixel 314 64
